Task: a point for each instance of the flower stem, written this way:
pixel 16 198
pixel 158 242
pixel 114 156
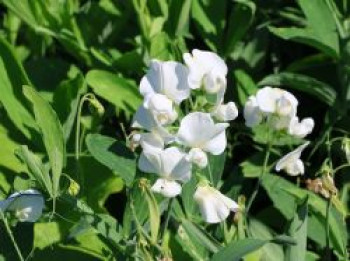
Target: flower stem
pixel 257 186
pixel 328 252
pixel 9 232
pixel 167 218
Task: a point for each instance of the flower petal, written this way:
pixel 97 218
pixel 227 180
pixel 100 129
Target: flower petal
pixel 167 188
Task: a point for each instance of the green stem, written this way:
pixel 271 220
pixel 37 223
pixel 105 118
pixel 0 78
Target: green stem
pixel 167 218
pixel 9 232
pixel 328 252
pixel 257 187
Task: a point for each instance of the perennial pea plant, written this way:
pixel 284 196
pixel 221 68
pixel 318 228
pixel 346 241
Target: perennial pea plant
pixel 177 141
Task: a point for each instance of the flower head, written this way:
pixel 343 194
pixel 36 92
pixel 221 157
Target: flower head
pixel 214 206
pixel 198 130
pixel 26 205
pixel 206 68
pixel 291 163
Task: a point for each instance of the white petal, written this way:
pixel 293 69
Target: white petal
pixel 168 78
pixel 191 132
pixel 301 129
pixel 206 67
pixel 266 99
pixel 214 206
pixel 252 114
pixel 151 141
pixel 216 145
pixel 288 161
pixel 143 119
pixel 295 168
pixel 161 108
pixel 150 162
pixel 167 188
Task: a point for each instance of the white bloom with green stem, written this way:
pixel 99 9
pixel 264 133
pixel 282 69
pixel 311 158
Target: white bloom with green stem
pixel 26 205
pixel 198 130
pixel 171 165
pixel 168 78
pixel 214 206
pixel 291 162
pixel 207 69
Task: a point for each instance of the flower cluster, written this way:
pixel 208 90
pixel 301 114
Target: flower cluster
pixel 183 118
pixel 277 108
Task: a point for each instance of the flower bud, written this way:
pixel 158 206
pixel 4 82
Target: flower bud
pixel 198 157
pixel 226 112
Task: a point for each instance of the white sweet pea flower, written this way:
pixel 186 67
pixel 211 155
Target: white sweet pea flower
pixel 206 68
pixel 198 130
pixel 214 206
pixel 161 108
pixel 291 163
pixel 276 101
pixel 198 157
pixel 226 112
pixel 26 205
pixel 171 165
pixel 167 78
pixel 252 114
pixel 301 129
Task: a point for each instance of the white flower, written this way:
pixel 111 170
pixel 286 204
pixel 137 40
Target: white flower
pixel 26 205
pixel 226 112
pixel 291 162
pixel 161 108
pixel 167 78
pixel 276 101
pixel 214 206
pixel 170 164
pixel 198 157
pixel 302 128
pixel 198 130
pixel 206 68
pixel 252 114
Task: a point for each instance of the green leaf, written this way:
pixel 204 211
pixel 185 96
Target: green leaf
pixel 245 86
pixel 37 170
pixel 239 22
pixel 270 251
pixel 118 91
pixel 12 77
pixel 66 102
pixel 198 236
pixel 235 250
pixel 210 18
pixel 113 154
pixel 154 214
pixel 178 21
pixel 298 230
pixel 52 134
pixel 321 29
pixel 307 84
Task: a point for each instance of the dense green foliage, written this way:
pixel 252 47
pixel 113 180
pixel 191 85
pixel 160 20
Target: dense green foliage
pixel 69 75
